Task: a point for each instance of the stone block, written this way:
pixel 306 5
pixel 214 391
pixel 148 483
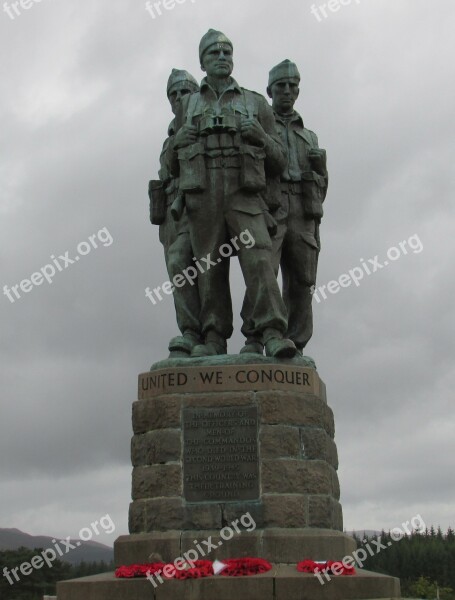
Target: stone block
pixel 157 481
pixel 161 514
pixel 285 510
pixel 335 485
pixel 337 517
pixel 287 408
pixel 105 587
pixel 328 421
pixel 291 585
pixel 278 441
pixel 202 516
pixel 294 476
pixel 147 547
pixel 332 457
pixel 159 413
pixel 160 446
pixel 136 517
pixel 218 588
pixel 249 511
pixel 221 544
pixel 323 512
pixel 315 443
pixel 293 545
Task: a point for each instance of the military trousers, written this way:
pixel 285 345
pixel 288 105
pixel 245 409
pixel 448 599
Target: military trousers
pixel 217 216
pixel 178 254
pixel 295 250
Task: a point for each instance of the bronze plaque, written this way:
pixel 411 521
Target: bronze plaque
pixel 220 454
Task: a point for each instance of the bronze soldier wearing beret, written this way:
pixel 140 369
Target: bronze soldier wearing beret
pixel 225 146
pixel 303 189
pixel 174 235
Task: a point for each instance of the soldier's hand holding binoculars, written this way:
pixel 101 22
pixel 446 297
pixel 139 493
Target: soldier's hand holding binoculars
pixel 185 136
pixel 253 131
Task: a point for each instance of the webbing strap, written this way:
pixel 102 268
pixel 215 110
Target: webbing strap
pixel 249 103
pixel 191 107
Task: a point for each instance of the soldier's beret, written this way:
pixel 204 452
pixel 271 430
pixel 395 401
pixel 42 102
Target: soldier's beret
pixel 178 79
pixel 284 70
pixel 212 37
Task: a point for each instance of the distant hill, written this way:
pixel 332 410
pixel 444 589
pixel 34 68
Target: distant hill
pixel 12 539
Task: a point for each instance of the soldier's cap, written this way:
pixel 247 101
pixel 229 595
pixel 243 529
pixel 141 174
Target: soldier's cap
pixel 180 79
pixel 284 70
pixel 210 38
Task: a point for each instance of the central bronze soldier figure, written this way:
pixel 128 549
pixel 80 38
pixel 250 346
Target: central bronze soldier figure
pixel 224 148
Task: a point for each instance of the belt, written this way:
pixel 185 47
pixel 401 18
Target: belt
pixel 292 187
pixel 223 162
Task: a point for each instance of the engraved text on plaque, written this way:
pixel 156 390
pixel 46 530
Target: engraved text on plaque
pixel 220 454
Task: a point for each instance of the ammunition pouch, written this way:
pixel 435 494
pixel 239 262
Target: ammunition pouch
pixel 157 198
pixel 252 172
pixel 313 191
pixel 192 168
pixel 272 193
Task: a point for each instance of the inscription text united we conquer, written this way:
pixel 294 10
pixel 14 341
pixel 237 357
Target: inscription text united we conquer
pixel 245 377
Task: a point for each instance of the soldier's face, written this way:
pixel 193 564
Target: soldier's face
pixel 218 61
pixel 284 93
pixel 175 97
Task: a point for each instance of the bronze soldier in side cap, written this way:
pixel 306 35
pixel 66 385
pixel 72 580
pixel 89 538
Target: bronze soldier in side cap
pixel 224 147
pixel 303 189
pixel 174 235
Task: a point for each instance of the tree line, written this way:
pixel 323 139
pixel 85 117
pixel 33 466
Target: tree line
pixel 43 581
pixel 424 562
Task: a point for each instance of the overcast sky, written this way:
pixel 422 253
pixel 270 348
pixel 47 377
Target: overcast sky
pixel 83 114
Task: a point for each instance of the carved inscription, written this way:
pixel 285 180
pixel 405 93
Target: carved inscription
pixel 220 454
pixel 228 378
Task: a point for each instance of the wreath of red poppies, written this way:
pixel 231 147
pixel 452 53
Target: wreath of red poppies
pixel 235 567
pixel 331 567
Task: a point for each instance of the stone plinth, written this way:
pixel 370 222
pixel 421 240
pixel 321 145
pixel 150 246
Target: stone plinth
pixel 272 414
pixel 234 457
pixel 283 582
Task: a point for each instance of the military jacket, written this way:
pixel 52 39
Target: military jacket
pixel 218 120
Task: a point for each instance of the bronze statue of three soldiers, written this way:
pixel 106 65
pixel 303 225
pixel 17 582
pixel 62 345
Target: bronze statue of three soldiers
pixel 234 169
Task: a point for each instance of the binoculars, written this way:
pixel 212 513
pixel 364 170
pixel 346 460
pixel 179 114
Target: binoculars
pixel 217 124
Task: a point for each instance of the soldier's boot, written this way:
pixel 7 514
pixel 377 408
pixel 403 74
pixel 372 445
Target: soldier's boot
pixel 253 345
pixel 214 344
pixel 278 346
pixel 181 346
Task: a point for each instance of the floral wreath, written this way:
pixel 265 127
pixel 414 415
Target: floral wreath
pixel 232 567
